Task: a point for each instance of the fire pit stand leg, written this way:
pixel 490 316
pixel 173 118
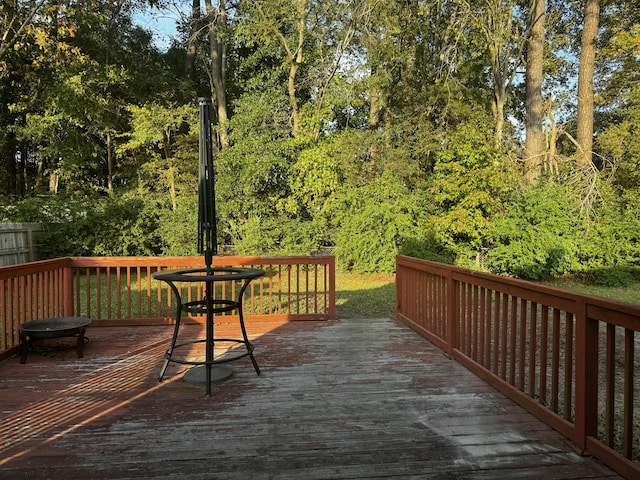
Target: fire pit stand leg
pixel 80 343
pixel 24 347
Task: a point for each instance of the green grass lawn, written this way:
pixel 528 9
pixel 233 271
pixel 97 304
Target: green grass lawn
pixel 374 296
pixel 368 296
pixel 628 294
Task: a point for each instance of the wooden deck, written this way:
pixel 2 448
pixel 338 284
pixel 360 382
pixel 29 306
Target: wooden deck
pixel 353 398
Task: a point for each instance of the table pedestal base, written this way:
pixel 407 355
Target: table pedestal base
pixel 198 375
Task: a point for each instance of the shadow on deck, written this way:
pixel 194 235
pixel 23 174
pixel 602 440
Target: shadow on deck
pixel 356 398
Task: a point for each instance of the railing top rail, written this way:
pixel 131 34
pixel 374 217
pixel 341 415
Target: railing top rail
pixel 598 308
pixel 196 261
pixel 11 271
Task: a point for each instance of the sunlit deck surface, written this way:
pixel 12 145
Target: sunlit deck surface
pixel 355 398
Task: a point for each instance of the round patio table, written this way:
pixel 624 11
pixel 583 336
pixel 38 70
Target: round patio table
pixel 209 306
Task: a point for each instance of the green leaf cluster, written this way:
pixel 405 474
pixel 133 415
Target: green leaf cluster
pixel 538 236
pixel 103 226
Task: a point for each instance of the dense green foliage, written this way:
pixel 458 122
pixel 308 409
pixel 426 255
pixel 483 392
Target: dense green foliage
pixel 371 128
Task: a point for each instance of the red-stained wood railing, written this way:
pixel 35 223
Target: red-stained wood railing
pixel 568 358
pixel 122 291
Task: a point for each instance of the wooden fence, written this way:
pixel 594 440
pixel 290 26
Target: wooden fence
pixel 17 242
pixel 568 358
pixel 122 291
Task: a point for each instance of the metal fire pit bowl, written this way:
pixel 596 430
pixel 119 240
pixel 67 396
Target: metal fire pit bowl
pixel 52 328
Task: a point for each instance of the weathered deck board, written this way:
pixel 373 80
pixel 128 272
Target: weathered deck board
pixel 357 399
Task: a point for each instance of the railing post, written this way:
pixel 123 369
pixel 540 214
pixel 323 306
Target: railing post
pixel 452 313
pixel 67 289
pixel 586 402
pixel 399 286
pixel 332 288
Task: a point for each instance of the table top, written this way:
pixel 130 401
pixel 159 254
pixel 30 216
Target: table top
pixel 215 274
pixel 54 324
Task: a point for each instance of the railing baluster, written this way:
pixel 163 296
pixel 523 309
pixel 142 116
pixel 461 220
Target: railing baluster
pixel 513 347
pixel 505 335
pixel 482 343
pixel 279 303
pixel 522 325
pixel 496 332
pixel 463 336
pixel 99 293
pixel 533 337
pixel 610 386
pixel 108 269
pixel 568 365
pixel 627 427
pixel 12 327
pixel 129 291
pixel 474 321
pixel 149 292
pixel 544 348
pixel 76 290
pixel 159 309
pixel 555 362
pixel 315 287
pixel 139 289
pixel 4 324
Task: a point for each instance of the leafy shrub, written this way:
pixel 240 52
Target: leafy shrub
pixel 369 221
pixel 613 277
pixel 612 239
pixel 178 229
pixel 537 237
pixel 111 226
pixel 470 181
pixel 427 248
pixel 276 236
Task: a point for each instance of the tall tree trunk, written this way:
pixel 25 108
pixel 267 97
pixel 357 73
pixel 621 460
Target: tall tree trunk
pixel 171 170
pixel 192 41
pixel 294 55
pixel 24 153
pixel 497 108
pixel 585 83
pixel 534 147
pixel 39 175
pixel 9 170
pixel 505 46
pixel 374 108
pixel 54 182
pixel 295 59
pixel 109 162
pixel 551 164
pixel 218 54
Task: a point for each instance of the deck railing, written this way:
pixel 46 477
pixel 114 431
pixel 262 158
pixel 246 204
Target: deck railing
pixel 568 358
pixel 121 290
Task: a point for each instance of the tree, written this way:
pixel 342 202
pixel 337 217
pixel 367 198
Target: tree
pixel 155 129
pixel 193 26
pixel 500 28
pixel 311 39
pixel 287 25
pixel 585 84
pixel 17 20
pixel 217 21
pixel 534 148
pixel 67 81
